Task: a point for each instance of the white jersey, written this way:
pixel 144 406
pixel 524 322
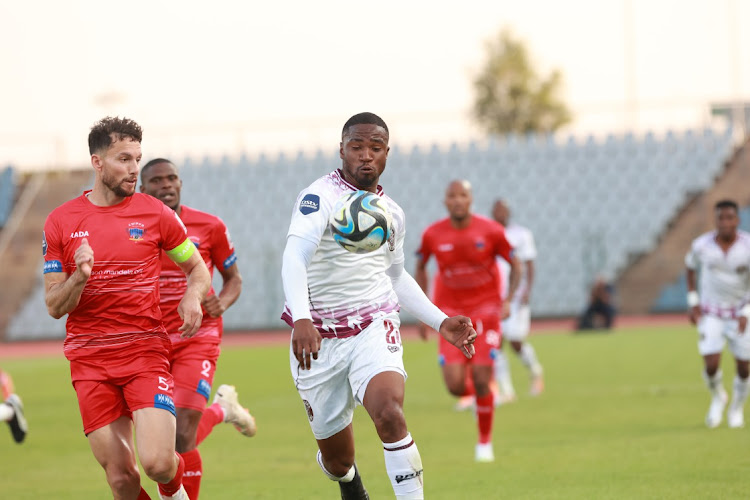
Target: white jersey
pixel 522 241
pixel 724 277
pixel 347 291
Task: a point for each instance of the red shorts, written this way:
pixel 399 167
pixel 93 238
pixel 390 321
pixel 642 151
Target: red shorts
pixel 116 386
pixel 488 341
pixel 193 363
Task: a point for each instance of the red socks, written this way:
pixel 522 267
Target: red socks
pixel 173 486
pixel 485 412
pixel 193 473
pixel 143 495
pixel 212 416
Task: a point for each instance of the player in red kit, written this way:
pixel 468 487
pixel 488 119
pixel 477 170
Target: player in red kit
pixel 468 280
pixel 102 255
pixel 193 360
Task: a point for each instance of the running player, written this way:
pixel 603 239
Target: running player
pixel 343 307
pixel 468 279
pixel 102 262
pixel 11 409
pixel 722 260
pixel 193 360
pixel 516 326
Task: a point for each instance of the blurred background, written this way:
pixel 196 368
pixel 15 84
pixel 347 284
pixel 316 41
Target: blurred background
pixel 610 128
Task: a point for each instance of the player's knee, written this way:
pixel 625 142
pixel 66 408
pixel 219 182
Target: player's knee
pixel 123 479
pixel 160 467
pixel 337 465
pixel 390 422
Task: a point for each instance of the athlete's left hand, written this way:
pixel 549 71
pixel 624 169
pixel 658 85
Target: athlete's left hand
pixel 742 324
pixel 459 331
pixel 213 305
pixel 191 313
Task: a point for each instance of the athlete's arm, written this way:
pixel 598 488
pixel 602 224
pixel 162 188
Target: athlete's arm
pixel 62 292
pixel 422 279
pixel 231 288
pixel 694 310
pixel 513 280
pixel 457 330
pixel 529 281
pixel 306 339
pixel 198 284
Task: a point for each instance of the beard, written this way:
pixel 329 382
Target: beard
pixel 116 186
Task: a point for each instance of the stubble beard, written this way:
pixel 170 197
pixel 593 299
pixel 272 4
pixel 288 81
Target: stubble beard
pixel 116 186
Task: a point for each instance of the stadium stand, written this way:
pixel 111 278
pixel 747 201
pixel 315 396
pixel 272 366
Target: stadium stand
pixel 7 193
pixel 592 204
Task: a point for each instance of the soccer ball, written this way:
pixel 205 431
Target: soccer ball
pixel 360 222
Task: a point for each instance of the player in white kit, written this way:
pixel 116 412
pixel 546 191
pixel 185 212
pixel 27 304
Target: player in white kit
pixel 721 258
pixel 516 327
pixel 343 308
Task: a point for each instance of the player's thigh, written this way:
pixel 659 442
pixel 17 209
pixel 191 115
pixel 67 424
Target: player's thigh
pixel 100 403
pixel 112 445
pixel 516 327
pixel 377 350
pixel 324 388
pixel 488 339
pixel 193 367
pixel 454 376
pixel 711 338
pixel 739 342
pixel 155 434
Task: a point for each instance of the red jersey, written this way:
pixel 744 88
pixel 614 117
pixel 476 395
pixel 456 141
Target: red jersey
pixel 210 236
pixel 119 306
pixel 468 278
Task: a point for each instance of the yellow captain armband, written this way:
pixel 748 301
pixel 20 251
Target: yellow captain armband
pixel 182 252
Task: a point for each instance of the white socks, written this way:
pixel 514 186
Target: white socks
pixel 528 358
pixel 404 467
pixel 6 412
pixel 502 374
pixel 344 479
pixel 741 389
pixel 714 383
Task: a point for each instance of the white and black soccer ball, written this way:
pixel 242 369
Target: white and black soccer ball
pixel 360 222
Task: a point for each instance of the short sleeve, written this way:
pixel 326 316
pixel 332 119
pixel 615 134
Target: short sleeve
pixel 52 249
pixel 173 231
pixel 691 259
pixel 528 250
pixel 222 249
pixel 310 215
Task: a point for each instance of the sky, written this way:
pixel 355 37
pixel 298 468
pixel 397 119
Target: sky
pixel 221 77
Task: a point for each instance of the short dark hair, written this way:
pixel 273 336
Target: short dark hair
pixel 100 137
pixel 727 204
pixel 153 162
pixel 364 119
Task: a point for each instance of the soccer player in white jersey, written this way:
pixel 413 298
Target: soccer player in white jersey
pixel 516 326
pixel 721 258
pixel 343 308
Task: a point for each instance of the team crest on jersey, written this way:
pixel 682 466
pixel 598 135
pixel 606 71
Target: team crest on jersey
pixel 479 244
pixel 136 230
pixel 310 415
pixel 44 243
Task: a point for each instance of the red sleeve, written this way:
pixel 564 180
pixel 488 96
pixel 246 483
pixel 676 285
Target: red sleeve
pixel 222 250
pixel 425 248
pixel 173 231
pixel 503 247
pixel 52 249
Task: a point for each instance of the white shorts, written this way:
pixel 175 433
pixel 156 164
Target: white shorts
pixel 516 326
pixel 714 332
pixel 338 379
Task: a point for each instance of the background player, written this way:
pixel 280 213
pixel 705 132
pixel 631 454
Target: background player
pixel 11 409
pixel 722 259
pixel 343 307
pixel 468 279
pixel 102 262
pixel 516 326
pixel 193 360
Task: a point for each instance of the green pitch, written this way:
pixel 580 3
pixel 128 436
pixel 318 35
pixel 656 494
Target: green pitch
pixel 622 417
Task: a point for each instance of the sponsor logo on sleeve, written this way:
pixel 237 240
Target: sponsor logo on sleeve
pixel 44 243
pixel 136 230
pixel 204 388
pixel 309 204
pixel 164 402
pixel 53 266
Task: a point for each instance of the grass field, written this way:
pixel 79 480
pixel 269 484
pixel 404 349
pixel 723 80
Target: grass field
pixel 622 417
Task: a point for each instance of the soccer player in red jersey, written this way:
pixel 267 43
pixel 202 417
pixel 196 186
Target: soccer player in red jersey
pixel 193 360
pixel 468 279
pixel 102 255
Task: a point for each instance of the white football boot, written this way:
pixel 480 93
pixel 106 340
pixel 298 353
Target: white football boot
pixel 484 453
pixel 234 413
